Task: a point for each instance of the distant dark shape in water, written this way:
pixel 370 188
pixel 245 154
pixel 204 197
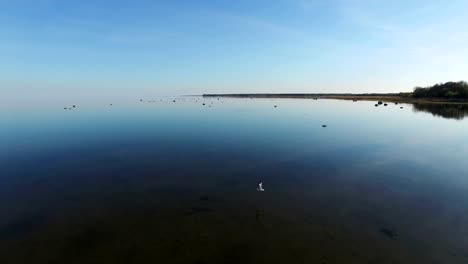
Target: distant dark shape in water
pixel 376 105
pixel 141 100
pixel 173 101
pixel 450 111
pixel 74 106
pixel 354 100
pixel 65 108
pixel 324 125
pixel 209 106
pixel 23 226
pixel 259 215
pixel 396 103
pixel 111 104
pixel 204 198
pixel 69 108
pixel 401 107
pixel 380 102
pixel 203 104
pixel 392 234
pixel 385 104
pixel 198 210
pixel 276 106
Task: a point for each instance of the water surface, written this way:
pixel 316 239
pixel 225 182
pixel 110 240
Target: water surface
pixel 174 182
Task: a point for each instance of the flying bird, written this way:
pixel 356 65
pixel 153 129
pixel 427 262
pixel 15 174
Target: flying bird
pixel 260 187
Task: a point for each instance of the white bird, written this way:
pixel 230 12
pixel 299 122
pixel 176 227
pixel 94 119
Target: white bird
pixel 260 188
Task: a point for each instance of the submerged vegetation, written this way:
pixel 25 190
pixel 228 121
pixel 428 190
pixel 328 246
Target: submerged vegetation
pixel 448 90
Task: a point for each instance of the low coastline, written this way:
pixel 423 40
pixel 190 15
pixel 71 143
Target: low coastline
pixel 394 98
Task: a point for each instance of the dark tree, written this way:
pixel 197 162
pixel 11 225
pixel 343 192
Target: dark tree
pixel 448 90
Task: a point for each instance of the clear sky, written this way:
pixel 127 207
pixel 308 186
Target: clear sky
pixel 148 48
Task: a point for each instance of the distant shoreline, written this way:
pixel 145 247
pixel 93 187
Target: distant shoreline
pixel 395 98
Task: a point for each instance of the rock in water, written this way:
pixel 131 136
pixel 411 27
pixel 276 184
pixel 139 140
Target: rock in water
pixel 389 233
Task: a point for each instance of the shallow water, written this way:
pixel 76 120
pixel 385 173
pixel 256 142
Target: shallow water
pixel 165 182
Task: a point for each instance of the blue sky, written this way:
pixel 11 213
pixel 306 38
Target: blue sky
pixel 52 48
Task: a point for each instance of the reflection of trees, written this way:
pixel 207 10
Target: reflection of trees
pixel 452 111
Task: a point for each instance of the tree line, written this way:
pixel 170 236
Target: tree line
pixel 448 90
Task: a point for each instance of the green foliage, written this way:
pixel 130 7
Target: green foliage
pixel 448 90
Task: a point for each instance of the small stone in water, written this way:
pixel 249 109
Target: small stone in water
pixel 389 233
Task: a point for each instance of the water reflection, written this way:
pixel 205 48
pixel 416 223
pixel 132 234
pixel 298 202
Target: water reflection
pixel 451 111
pixel 175 183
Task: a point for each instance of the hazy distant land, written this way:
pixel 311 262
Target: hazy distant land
pixel 450 92
pixel 364 97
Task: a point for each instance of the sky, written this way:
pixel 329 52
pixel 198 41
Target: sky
pixel 145 48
